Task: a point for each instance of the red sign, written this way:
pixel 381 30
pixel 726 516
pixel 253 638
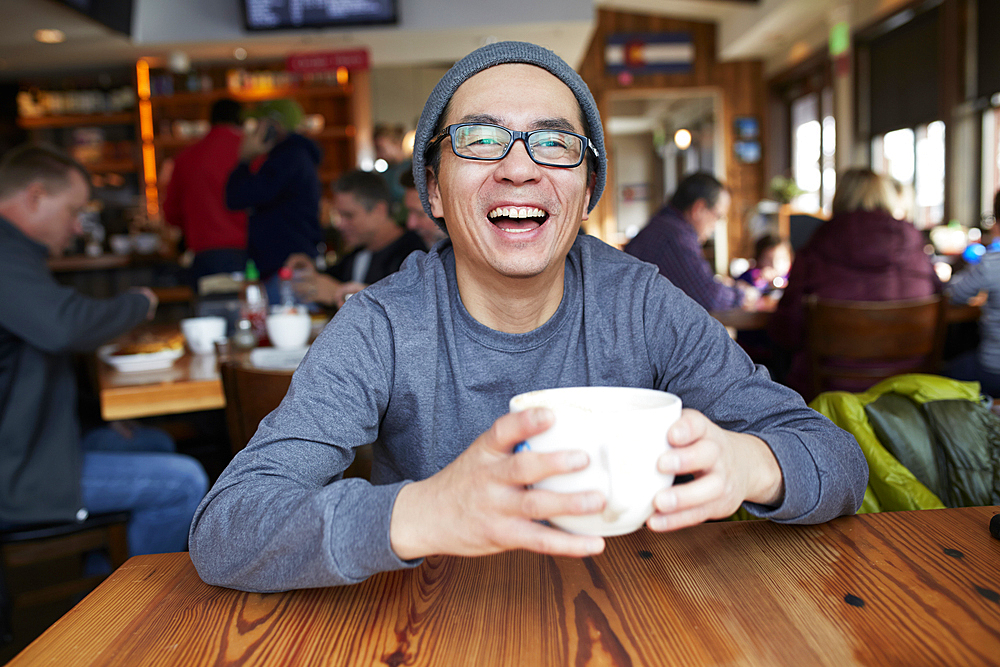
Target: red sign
pixel 327 61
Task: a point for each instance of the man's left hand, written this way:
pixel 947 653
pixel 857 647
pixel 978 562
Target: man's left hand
pixel 347 290
pixel 728 468
pixel 257 142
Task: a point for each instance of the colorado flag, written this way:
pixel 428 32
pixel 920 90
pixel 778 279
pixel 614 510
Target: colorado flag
pixel 649 53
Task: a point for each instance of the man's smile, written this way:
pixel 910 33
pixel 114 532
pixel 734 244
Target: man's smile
pixel 518 219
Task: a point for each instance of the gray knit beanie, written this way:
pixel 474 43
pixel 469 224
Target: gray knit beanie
pixel 488 56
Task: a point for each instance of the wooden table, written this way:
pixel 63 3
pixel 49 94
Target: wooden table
pixel 191 384
pixel 897 588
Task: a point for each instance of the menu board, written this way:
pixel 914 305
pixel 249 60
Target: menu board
pixel 291 14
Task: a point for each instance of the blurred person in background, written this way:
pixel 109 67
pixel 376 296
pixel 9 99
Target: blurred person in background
pixel 981 365
pixel 389 148
pixel 862 253
pixel 772 261
pixel 376 244
pixel 50 473
pixel 417 219
pixel 673 241
pixel 195 199
pixel 281 194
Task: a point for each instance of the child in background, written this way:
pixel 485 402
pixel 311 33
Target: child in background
pixel 772 260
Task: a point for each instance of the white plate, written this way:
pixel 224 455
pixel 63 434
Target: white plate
pixel 270 358
pixel 127 363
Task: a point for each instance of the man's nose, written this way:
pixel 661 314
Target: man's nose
pixel 517 166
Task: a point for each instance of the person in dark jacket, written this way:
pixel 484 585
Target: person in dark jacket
pixel 277 180
pixel 48 473
pixel 862 253
pixel 378 245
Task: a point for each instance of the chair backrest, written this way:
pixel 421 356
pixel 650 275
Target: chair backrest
pixel 45 550
pixel 251 394
pixel 872 340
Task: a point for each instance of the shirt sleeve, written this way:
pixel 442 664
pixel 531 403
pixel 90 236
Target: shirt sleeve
pixel 968 283
pixel 57 318
pixel 281 517
pixel 824 470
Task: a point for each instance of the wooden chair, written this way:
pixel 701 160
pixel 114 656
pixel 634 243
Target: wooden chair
pixel 38 546
pixel 868 341
pixel 251 394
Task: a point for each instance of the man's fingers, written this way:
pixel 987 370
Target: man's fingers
pixel 680 497
pixel 690 459
pixel 541 504
pixel 690 428
pixel 543 539
pixel 516 427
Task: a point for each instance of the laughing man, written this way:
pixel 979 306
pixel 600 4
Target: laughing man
pixel 509 158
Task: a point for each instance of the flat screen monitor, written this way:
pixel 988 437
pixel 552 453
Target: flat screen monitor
pixel 293 14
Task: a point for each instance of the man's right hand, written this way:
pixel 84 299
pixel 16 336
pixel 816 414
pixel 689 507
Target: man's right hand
pixel 479 505
pixel 154 301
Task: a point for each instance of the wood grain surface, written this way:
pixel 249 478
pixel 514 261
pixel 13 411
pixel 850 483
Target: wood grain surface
pixel 902 588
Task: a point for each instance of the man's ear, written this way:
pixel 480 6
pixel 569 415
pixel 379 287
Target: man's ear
pixel 697 211
pixel 434 194
pixel 591 183
pixel 33 195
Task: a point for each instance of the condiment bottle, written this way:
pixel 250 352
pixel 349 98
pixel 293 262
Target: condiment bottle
pixel 253 303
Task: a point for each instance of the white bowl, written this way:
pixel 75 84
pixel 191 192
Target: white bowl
pixel 200 333
pixel 290 330
pixel 146 243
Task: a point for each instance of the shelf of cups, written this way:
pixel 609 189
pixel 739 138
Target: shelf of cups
pixel 43 122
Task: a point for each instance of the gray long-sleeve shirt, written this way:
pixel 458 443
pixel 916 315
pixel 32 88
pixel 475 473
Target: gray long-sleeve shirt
pixel 404 363
pixel 41 324
pixel 984 276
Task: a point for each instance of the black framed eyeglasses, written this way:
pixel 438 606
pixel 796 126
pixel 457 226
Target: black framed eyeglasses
pixel 483 141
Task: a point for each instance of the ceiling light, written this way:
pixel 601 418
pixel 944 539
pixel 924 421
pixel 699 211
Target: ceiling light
pixel 50 36
pixel 682 138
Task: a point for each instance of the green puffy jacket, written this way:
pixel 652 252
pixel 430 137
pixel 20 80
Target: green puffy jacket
pixel 928 441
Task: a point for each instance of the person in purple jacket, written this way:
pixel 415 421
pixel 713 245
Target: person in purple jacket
pixel 862 253
pixel 673 238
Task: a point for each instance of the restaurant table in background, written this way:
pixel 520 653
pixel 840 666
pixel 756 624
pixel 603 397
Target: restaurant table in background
pixel 191 384
pixel 737 319
pixel 896 588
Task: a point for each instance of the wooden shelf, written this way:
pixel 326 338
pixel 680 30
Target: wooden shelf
pixel 124 118
pixel 333 132
pixel 110 166
pixel 250 95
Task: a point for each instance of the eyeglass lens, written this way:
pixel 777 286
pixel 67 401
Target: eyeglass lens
pixel 486 142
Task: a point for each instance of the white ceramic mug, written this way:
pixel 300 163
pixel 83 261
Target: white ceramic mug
pixel 202 332
pixel 289 330
pixel 624 431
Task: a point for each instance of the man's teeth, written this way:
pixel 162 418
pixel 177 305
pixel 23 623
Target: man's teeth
pixel 517 212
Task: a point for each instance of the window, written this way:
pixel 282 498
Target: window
pixel 915 158
pixel 991 158
pixel 814 140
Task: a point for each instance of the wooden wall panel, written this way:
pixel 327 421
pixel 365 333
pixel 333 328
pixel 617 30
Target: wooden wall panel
pixel 742 88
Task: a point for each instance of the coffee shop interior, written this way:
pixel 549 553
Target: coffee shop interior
pixel 775 98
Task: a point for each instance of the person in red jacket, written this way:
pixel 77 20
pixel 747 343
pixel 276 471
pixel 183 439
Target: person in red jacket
pixel 862 253
pixel 196 202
